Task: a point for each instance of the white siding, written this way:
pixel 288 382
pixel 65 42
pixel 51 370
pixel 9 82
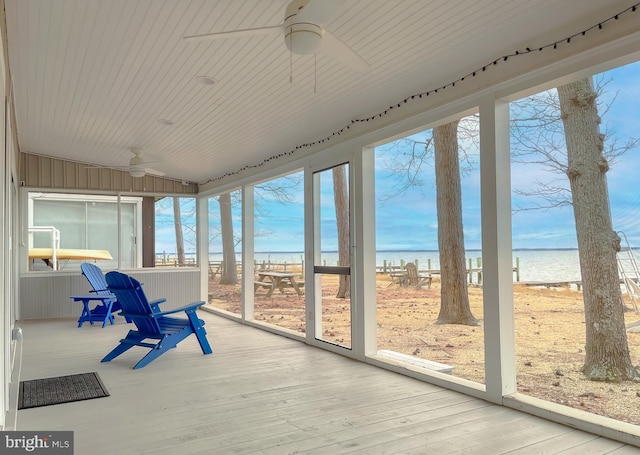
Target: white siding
pixel 48 296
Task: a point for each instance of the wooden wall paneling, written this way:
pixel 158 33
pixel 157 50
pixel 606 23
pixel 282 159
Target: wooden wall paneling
pixel 45 172
pixel 57 173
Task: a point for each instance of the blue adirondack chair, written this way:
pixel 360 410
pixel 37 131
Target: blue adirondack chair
pixel 103 311
pixel 151 323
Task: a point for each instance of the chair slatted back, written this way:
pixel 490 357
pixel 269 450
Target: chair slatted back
pixel 95 277
pixel 134 302
pixel 412 274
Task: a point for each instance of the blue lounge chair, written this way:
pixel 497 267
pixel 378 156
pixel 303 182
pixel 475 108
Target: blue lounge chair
pixel 103 311
pixel 151 323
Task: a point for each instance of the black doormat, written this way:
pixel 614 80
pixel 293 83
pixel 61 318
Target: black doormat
pixel 61 389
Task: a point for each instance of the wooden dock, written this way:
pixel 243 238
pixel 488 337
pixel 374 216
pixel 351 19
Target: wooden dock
pixel 553 284
pixel 472 269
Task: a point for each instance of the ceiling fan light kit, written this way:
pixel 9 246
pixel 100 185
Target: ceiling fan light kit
pixel 136 172
pixel 303 39
pixel 137 165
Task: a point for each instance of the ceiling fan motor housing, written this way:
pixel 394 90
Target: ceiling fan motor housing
pixel 301 38
pixel 136 168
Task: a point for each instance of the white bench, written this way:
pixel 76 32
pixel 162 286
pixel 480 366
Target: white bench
pixel 416 361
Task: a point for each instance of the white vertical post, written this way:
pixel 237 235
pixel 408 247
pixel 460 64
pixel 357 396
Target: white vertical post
pixel 363 270
pixel 248 271
pixel 55 246
pixel 313 295
pixel 137 259
pixel 202 219
pixel 496 249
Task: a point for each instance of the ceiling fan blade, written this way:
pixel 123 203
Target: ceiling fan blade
pixel 155 172
pixel 145 163
pixel 140 163
pixel 339 51
pixel 235 33
pixel 319 11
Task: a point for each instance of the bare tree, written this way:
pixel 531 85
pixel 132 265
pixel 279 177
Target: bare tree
pixel 607 351
pixel 229 271
pixel 177 223
pixel 560 131
pixel 454 297
pixel 341 199
pixel 281 190
pixel 538 138
pixel 182 219
pixel 408 160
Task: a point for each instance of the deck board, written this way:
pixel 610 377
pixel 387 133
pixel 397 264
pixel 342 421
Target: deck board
pixel 260 393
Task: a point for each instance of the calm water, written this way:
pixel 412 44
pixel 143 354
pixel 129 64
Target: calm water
pixel 535 265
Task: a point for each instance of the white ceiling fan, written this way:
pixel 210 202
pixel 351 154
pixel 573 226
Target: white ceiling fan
pixel 304 32
pixel 138 165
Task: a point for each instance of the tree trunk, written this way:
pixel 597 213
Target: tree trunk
pixel 177 222
pixel 341 198
pixel 229 272
pixel 606 351
pixel 454 297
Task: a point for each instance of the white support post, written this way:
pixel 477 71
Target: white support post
pixel 313 290
pixel 363 279
pixel 248 271
pixel 202 214
pixel 500 373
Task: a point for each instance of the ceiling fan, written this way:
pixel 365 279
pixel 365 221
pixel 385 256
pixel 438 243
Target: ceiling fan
pixel 303 31
pixel 138 165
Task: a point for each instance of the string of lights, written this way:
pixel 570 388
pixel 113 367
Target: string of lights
pixel 504 58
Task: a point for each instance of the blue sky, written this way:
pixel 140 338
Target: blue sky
pixel 408 221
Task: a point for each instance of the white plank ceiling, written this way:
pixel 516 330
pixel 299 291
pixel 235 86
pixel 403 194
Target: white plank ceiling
pixel 93 78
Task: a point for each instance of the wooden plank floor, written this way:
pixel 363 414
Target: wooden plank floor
pixel 260 393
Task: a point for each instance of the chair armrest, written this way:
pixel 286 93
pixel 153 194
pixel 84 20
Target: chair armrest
pixel 155 305
pixel 192 306
pixel 93 297
pixel 99 290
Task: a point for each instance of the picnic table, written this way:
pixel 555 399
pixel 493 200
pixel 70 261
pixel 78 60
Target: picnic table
pixel 273 280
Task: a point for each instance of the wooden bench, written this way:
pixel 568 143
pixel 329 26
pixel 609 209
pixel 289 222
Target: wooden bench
pixel 269 285
pixel 416 361
pixel 289 285
pixel 265 284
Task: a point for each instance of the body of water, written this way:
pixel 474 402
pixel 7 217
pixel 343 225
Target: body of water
pixel 535 265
